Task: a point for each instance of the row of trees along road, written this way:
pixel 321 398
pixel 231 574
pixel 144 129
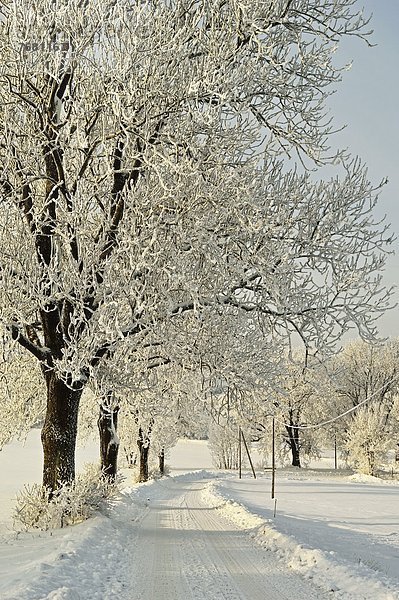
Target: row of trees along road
pixel 152 162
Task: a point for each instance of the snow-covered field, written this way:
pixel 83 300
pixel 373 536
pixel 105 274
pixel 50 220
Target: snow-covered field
pixel 209 536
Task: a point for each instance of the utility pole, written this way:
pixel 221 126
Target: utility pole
pixel 335 451
pixel 273 459
pixel 239 453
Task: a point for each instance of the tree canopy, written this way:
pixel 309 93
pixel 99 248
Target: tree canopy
pixel 147 173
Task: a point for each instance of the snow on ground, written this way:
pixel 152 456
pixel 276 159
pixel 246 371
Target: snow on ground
pixel 341 534
pixel 208 536
pixel 21 463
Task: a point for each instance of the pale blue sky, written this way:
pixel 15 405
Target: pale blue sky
pixel 367 101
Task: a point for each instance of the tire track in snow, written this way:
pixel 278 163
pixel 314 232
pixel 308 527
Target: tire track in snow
pixel 189 552
pixel 157 572
pixel 176 548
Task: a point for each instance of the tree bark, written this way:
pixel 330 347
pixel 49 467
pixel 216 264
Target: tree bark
pixel 144 449
pixel 161 459
pixel 293 435
pixel 59 432
pixel 109 442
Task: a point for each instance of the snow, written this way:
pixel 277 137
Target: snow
pixel 201 534
pixel 342 535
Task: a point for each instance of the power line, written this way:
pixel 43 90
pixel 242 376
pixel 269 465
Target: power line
pixel 347 412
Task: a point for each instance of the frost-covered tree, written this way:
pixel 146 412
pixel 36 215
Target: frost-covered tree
pixel 237 370
pixel 150 426
pixel 368 439
pixel 366 375
pixel 142 179
pixel 230 422
pixel 368 371
pixel 151 405
pixel 224 444
pixel 299 394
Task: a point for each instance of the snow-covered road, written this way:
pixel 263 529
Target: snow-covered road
pixel 191 552
pixel 170 547
pixel 207 534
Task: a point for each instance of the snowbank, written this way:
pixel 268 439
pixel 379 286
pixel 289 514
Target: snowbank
pixel 345 580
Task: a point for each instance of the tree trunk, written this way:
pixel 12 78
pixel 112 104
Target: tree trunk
pixel 109 442
pixel 161 458
pixel 144 449
pixel 131 458
pixel 59 433
pixel 293 434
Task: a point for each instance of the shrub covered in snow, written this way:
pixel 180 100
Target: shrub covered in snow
pixel 368 439
pixel 37 508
